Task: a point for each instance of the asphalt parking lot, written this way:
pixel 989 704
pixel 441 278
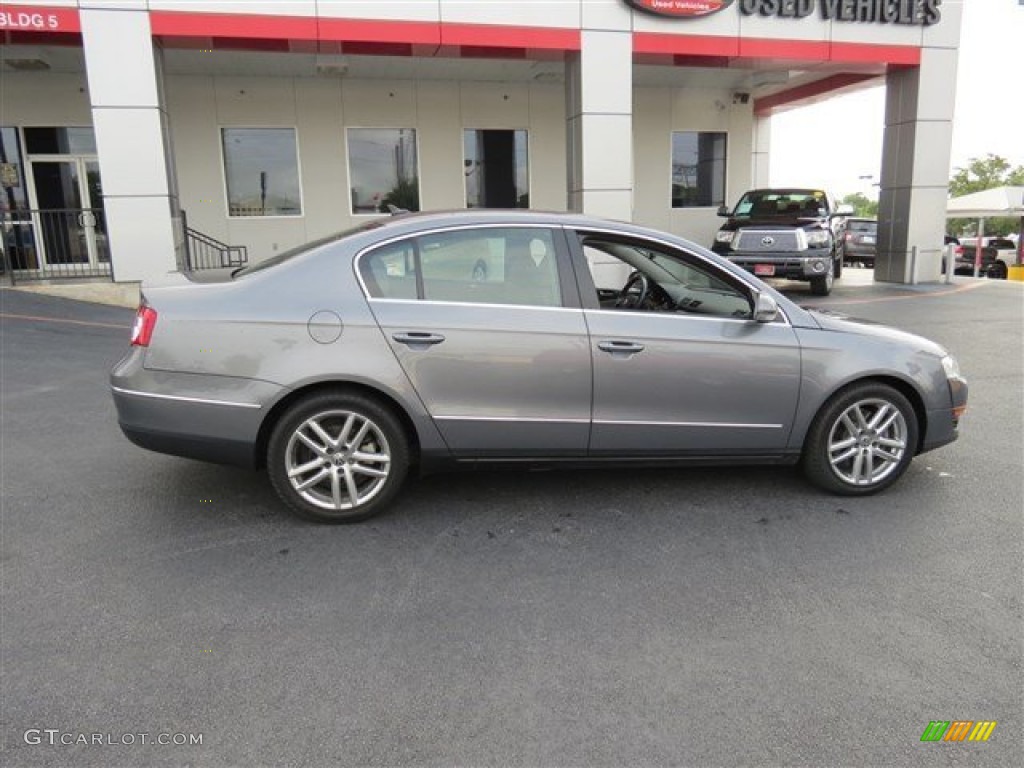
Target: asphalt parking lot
pixel 614 617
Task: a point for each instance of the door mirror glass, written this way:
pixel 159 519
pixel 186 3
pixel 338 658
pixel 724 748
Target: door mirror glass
pixel 766 308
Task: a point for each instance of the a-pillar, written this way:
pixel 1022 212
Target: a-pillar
pixel 915 161
pixel 599 112
pixel 130 123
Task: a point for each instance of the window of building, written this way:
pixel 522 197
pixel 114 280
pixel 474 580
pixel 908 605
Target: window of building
pixel 496 169
pixel 698 169
pixel 60 141
pixel 261 167
pixel 489 266
pixel 383 169
pixel 13 194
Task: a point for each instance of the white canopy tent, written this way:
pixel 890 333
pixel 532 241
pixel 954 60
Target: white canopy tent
pixel 999 201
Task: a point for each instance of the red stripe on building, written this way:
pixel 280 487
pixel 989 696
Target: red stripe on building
pixel 685 45
pixel 237 26
pixel 802 93
pixel 33 19
pixel 765 48
pixel 499 36
pixel 390 32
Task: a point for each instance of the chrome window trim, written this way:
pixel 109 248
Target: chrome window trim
pixel 181 398
pixel 478 305
pixel 357 261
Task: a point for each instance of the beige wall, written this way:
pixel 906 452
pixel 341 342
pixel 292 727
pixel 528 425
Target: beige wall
pixel 320 110
pixel 657 112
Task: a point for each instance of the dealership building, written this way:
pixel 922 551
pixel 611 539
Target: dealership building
pixel 141 136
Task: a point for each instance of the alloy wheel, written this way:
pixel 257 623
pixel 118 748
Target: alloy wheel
pixel 867 442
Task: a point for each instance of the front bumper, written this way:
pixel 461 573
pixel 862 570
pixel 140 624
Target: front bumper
pixel 792 266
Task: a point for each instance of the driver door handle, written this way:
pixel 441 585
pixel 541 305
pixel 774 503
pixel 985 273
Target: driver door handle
pixel 620 348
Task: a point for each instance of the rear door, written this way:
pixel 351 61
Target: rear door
pixel 486 323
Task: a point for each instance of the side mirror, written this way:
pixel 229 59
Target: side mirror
pixel 766 309
pixel 844 210
pixel 723 211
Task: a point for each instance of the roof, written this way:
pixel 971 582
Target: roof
pixel 999 201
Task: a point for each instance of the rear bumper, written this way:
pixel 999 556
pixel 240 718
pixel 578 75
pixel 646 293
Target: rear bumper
pixel 209 418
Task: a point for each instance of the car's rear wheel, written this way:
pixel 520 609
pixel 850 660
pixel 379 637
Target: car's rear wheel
pixel 862 440
pixel 337 457
pixel 998 271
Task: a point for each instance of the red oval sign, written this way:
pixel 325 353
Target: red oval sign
pixel 680 9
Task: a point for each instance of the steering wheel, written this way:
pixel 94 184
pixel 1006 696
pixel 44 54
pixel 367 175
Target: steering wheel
pixel 635 292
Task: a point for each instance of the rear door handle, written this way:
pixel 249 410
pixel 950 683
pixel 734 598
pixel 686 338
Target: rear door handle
pixel 620 348
pixel 418 338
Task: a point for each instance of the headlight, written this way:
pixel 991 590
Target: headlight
pixel 951 367
pixel 818 237
pixel 724 236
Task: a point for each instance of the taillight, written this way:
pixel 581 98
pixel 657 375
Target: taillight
pixel 958 250
pixel 145 322
pixel 849 237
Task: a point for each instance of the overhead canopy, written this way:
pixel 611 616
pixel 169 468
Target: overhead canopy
pixel 1000 201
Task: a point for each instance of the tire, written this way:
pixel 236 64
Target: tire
pixel 844 442
pixel 822 286
pixel 998 271
pixel 837 268
pixel 315 444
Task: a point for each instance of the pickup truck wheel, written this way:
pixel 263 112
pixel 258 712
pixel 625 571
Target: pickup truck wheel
pixel 998 271
pixel 861 441
pixel 822 286
pixel 838 268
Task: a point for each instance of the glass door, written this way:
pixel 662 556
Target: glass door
pixel 69 212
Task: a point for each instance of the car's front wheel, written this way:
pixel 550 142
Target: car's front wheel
pixel 862 440
pixel 337 457
pixel 822 286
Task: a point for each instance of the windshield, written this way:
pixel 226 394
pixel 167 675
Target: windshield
pixel 280 258
pixel 861 226
pixel 782 202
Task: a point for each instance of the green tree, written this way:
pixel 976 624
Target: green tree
pixel 980 174
pixel 863 206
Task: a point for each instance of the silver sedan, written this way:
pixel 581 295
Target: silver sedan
pixel 430 341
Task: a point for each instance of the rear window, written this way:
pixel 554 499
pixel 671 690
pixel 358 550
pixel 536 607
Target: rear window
pixel 862 226
pixel 280 258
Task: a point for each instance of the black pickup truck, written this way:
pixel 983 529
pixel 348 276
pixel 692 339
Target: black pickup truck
pixel 791 233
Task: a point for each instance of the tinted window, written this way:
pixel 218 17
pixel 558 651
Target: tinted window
pixel 676 283
pixel 698 169
pixel 261 168
pixel 382 166
pixel 496 169
pixel 861 226
pixel 483 266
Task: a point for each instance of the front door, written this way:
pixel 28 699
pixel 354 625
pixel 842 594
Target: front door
pixel 680 368
pixel 478 321
pixel 68 219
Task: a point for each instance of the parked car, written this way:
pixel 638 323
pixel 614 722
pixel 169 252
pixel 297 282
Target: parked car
pixel 861 239
pixel 343 364
pixel 796 234
pixel 998 254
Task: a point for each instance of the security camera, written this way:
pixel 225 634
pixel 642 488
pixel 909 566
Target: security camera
pixel 740 98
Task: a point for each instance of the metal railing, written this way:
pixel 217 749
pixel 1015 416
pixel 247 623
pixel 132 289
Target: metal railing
pixel 205 252
pixel 54 244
